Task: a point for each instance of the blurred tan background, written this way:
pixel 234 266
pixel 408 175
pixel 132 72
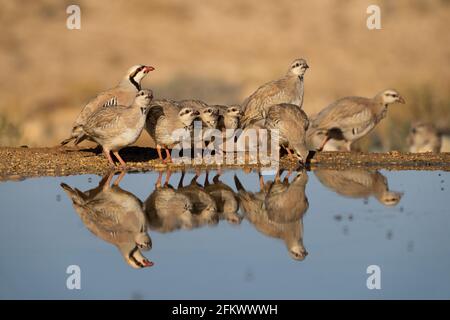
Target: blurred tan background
pixel 220 52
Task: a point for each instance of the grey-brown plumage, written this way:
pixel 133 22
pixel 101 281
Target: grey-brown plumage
pixel 115 216
pixel 225 198
pixel 116 127
pixel 349 119
pixel 291 123
pixel 229 117
pixel 167 209
pixel 204 206
pixel 359 183
pixel 424 137
pixel 123 94
pixel 207 114
pixel 288 89
pixel 277 211
pixel 164 118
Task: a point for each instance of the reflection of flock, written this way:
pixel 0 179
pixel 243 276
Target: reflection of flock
pixel 276 210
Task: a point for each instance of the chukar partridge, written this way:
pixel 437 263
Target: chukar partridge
pixel 288 89
pixel 359 183
pixel 208 114
pixel 123 94
pixel 115 216
pixel 349 119
pixel 116 127
pixel 229 117
pixel 164 118
pixel 423 137
pixel 291 123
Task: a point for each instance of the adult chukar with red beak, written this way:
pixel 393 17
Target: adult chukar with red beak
pixel 123 94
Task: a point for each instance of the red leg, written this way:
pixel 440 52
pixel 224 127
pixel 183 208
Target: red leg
pixel 158 148
pixel 168 157
pixel 116 153
pixel 108 156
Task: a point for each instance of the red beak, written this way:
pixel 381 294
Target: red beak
pixel 148 68
pixel 148 263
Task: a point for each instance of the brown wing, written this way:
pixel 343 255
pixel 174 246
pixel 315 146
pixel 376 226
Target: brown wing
pixel 106 122
pixel 256 105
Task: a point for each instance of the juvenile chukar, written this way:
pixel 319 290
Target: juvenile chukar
pixel 349 119
pixel 208 114
pixel 123 94
pixel 229 117
pixel 291 123
pixel 115 216
pixel 164 118
pixel 288 89
pixel 423 137
pixel 359 183
pixel 116 127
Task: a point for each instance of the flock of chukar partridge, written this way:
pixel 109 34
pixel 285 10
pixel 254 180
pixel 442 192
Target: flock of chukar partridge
pixel 116 117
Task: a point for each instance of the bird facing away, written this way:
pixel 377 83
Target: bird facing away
pixel 116 127
pixel 280 220
pixel 225 198
pixel 164 118
pixel 208 114
pixel 359 183
pixel 288 89
pixel 123 94
pixel 115 216
pixel 349 119
pixel 167 209
pixel 423 137
pixel 291 123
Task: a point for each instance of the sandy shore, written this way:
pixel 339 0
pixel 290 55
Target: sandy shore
pixel 19 163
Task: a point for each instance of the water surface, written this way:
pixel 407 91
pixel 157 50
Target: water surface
pixel 344 221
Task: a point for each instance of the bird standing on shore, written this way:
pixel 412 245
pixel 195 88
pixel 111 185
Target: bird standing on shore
pixel 116 127
pixel 288 89
pixel 291 123
pixel 349 119
pixel 123 94
pixel 164 118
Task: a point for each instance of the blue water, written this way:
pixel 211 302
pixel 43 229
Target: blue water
pixel 41 235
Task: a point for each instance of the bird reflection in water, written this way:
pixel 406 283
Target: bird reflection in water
pixel 359 183
pixel 115 216
pixel 277 210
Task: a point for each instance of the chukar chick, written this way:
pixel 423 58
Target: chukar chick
pixel 291 123
pixel 288 89
pixel 359 183
pixel 163 119
pixel 225 198
pixel 229 117
pixel 349 119
pixel 208 114
pixel 115 216
pixel 168 210
pixel 116 127
pixel 123 94
pixel 205 208
pixel 423 137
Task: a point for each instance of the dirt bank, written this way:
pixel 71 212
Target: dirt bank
pixel 19 163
